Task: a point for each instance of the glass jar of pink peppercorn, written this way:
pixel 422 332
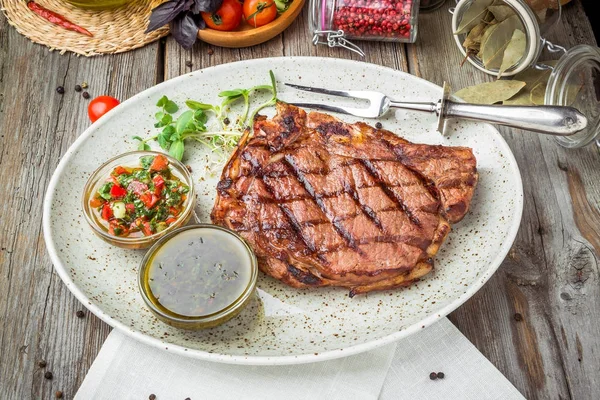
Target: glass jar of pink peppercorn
pixel 337 22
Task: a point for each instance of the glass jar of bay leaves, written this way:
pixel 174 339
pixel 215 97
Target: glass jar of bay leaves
pixel 504 38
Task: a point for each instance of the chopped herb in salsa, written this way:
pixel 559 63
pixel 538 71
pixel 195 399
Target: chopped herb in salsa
pixel 140 201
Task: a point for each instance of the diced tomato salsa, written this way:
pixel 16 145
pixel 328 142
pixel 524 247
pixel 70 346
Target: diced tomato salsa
pixel 140 201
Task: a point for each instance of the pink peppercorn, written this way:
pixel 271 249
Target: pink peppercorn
pixel 373 19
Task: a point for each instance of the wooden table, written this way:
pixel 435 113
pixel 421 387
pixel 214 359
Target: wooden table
pixel 551 276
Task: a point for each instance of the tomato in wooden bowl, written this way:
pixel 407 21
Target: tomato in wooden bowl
pixel 260 27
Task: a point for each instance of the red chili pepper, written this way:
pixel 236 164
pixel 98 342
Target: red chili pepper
pixel 159 183
pixel 118 191
pixel 56 19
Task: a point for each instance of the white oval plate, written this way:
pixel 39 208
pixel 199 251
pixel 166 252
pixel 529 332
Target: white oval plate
pixel 283 325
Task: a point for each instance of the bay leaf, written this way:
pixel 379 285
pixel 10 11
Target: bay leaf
pixel 538 94
pixel 493 49
pixel 501 12
pixel 490 92
pixel 514 51
pixel 523 98
pixel 474 15
pixel 473 39
pixel 486 35
pixel 532 77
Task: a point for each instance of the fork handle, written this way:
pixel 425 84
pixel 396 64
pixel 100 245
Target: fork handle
pixel 553 120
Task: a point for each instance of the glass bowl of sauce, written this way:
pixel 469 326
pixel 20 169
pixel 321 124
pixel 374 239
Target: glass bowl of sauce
pixel 136 198
pixel 198 276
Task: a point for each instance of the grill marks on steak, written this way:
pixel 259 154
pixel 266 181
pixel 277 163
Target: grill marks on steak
pixel 325 203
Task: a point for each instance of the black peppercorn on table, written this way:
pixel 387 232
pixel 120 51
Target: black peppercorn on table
pixel 537 319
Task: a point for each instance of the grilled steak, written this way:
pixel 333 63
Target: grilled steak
pixel 325 203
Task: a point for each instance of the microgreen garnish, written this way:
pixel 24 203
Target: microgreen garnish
pixel 191 124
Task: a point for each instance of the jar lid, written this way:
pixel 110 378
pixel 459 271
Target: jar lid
pixel 575 82
pixel 531 26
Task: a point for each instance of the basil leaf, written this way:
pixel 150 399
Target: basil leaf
pixel 183 121
pixel 176 150
pixel 206 6
pixel 165 13
pixel 184 30
pixel 137 138
pixel 159 115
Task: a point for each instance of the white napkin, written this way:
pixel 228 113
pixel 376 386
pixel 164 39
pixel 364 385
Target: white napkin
pixel 126 369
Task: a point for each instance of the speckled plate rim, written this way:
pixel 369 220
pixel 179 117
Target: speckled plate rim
pixel 269 360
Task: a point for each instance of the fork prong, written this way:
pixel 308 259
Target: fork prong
pixel 341 93
pixel 358 112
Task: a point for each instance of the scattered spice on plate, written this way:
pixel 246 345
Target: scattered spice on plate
pixel 84 85
pixel 189 168
pixel 58 394
pixel 440 375
pixel 378 125
pixel 56 18
pixel 433 376
pixel 226 121
pixel 42 364
pixel 80 314
pixel 78 88
pixel 152 397
pixel 85 95
pixel 48 375
pixel 60 90
pixel 518 317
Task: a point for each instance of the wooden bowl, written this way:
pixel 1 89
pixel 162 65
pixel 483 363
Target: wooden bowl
pixel 246 35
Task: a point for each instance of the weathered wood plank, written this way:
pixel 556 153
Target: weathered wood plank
pixel 37 312
pixel 551 275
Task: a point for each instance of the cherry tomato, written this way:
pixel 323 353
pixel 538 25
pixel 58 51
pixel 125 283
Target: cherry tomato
pixel 226 18
pixel 259 12
pixel 100 106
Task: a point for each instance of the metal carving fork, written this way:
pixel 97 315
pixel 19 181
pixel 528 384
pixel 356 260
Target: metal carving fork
pixel 552 120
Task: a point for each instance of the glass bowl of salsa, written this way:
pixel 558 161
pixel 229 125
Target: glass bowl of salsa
pixel 198 276
pixel 136 198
